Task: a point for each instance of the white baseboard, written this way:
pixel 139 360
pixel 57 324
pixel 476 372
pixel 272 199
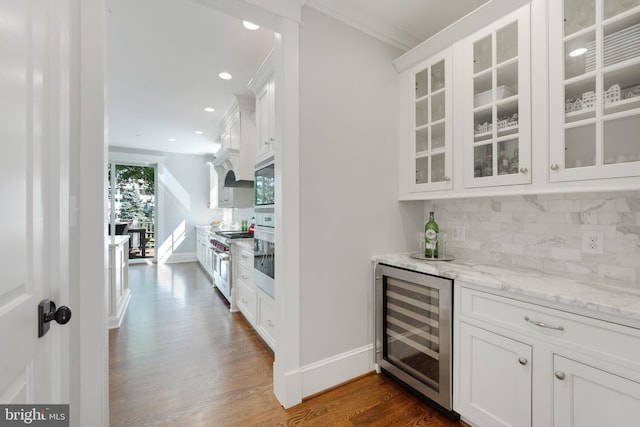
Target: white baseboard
pixel 116 321
pixel 336 370
pixel 180 257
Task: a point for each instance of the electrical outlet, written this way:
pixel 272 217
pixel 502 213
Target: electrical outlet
pixel 458 233
pixel 592 242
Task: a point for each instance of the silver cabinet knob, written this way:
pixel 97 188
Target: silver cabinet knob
pixel 555 166
pixel 523 361
pixel 446 178
pixel 267 142
pixel 524 170
pixel 560 375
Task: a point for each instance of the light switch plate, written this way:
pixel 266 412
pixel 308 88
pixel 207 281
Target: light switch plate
pixel 458 233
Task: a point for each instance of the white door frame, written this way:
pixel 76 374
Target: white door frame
pixel 89 394
pixel 89 364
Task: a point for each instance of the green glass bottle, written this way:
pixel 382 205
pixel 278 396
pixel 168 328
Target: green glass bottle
pixel 431 230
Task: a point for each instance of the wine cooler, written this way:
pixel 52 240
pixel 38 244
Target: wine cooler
pixel 413 325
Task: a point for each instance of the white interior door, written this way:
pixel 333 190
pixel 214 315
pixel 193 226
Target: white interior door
pixel 34 224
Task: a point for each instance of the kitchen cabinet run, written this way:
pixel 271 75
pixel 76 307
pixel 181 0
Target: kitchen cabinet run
pixel 530 111
pixel 256 306
pixel 522 364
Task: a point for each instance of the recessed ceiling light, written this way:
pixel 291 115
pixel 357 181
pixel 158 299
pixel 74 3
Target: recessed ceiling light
pixel 172 140
pixel 209 109
pixel 198 132
pixel 578 52
pixel 250 25
pixel 225 76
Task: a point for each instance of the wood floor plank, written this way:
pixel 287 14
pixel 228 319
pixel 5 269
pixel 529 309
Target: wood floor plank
pixel 181 358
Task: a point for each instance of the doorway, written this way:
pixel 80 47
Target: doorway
pixel 132 207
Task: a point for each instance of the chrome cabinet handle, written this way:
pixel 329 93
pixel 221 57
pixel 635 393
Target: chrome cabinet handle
pixel 245 256
pixel 272 139
pixel 524 170
pixel 244 277
pixel 555 166
pixel 446 178
pixel 560 375
pixel 267 142
pixel 543 325
pixel 270 323
pixel 523 361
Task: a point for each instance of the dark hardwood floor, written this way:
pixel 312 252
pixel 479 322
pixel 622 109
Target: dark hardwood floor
pixel 181 358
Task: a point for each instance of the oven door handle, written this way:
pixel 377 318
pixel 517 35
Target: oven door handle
pixel 219 252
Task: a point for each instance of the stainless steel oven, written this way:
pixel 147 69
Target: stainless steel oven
pixel 413 328
pixel 264 259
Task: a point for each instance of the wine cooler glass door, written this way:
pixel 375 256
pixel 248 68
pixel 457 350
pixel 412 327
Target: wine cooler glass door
pixel 415 331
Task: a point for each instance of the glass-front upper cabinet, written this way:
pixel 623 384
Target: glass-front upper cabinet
pixel 497 135
pixel 594 77
pixel 431 134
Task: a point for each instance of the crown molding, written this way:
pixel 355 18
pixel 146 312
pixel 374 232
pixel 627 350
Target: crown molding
pixel 370 25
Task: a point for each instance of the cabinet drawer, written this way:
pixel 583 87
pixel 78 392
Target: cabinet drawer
pixel 266 319
pixel 245 274
pixel 595 336
pixel 247 302
pixel 246 258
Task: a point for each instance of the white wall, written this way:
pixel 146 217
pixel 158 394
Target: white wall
pixel 348 180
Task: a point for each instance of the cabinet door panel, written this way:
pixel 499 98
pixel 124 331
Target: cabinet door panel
pixel 495 378
pixel 430 144
pixel 497 103
pixel 594 81
pixel 584 396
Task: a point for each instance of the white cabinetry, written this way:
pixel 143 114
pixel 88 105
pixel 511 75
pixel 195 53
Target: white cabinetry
pixel 585 396
pixel 497 103
pixel 266 318
pixel 256 306
pixel 545 99
pixel 204 251
pixel 594 73
pixel 428 89
pixel 263 85
pixel 495 378
pixel 522 364
pixel 119 294
pixel 243 284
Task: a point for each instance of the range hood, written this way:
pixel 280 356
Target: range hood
pixel 231 171
pixel 238 140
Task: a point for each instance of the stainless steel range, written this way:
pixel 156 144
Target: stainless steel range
pixel 221 244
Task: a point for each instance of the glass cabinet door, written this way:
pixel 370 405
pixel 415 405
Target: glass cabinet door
pixel 498 132
pixel 594 89
pixel 431 134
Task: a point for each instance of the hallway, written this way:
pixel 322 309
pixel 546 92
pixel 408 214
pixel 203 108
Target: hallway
pixel 181 358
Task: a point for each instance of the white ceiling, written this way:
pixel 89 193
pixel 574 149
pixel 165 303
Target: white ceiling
pixel 164 56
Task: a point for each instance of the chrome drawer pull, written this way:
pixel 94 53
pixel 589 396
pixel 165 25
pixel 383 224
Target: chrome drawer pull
pixel 543 325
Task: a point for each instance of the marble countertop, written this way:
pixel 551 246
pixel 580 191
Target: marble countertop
pixel 117 240
pixel 606 299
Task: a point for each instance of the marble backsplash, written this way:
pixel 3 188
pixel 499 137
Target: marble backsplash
pixel 545 231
